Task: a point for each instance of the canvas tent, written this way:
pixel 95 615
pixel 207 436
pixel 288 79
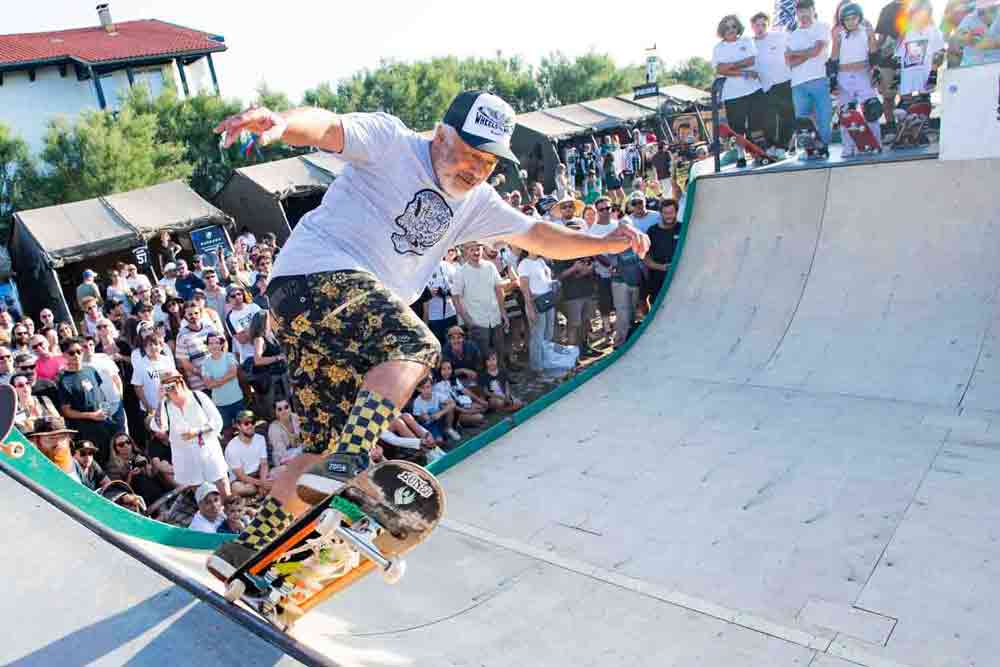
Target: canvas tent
pixel 51 246
pixel 273 196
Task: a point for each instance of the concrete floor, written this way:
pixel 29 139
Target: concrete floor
pixel 797 464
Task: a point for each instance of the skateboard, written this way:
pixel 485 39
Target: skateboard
pixel 853 122
pixel 368 524
pixel 807 140
pixel 8 410
pixel 912 125
pixel 760 157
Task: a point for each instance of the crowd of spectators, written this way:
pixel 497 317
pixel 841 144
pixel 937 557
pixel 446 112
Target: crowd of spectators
pixel 781 75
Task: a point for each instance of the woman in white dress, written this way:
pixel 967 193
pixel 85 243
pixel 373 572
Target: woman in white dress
pixel 192 424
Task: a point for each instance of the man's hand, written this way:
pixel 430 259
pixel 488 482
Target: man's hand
pixel 269 125
pixel 627 236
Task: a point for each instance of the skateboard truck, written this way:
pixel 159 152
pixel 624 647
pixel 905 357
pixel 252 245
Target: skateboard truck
pixel 331 523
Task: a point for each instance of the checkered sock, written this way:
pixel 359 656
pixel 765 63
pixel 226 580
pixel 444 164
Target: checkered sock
pixel 271 520
pixel 370 415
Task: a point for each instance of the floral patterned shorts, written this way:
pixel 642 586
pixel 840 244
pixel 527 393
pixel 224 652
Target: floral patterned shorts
pixel 334 328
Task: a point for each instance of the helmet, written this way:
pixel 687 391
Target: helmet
pixel 850 9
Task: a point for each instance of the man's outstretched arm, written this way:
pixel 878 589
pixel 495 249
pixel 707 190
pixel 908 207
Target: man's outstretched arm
pixel 303 126
pixel 557 242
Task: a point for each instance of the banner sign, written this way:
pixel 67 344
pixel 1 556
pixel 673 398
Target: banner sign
pixel 208 240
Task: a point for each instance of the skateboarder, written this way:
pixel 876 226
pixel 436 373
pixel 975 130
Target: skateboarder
pixel 850 70
pixel 340 286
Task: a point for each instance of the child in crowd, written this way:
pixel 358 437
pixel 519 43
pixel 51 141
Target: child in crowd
pixel 495 386
pixel 435 415
pixel 920 52
pixel 851 72
pixel 469 408
pixel 235 521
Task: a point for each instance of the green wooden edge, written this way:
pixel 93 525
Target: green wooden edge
pixel 40 470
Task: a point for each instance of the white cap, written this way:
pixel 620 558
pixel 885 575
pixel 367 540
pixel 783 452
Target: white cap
pixel 203 491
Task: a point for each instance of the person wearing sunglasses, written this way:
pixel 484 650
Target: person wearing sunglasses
pixel 21 339
pixel 7 369
pixel 31 409
pixel 48 365
pixel 83 401
pixel 192 425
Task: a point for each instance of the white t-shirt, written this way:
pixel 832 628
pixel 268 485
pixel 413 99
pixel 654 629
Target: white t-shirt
pixel 726 53
pixel 169 285
pixel 442 307
pixel 385 213
pixel 425 407
pixel 538 273
pixel 240 320
pixel 203 525
pixel 600 231
pixel 806 38
pixel 108 370
pixel 771 65
pixel 146 374
pixel 246 456
pixel 854 47
pixel 138 280
pixel 476 285
pixel 916 52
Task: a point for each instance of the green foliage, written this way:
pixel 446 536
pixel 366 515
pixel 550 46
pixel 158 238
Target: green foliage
pixel 272 99
pixel 696 72
pixel 588 77
pixel 15 167
pixel 103 153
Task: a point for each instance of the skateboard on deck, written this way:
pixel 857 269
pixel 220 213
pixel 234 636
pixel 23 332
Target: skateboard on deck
pixel 759 156
pixel 853 122
pixel 368 524
pixel 911 127
pixel 808 142
pixel 8 410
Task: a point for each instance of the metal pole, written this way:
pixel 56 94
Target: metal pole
pixel 717 86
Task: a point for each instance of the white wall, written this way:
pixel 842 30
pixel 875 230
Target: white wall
pixel 27 107
pixel 199 78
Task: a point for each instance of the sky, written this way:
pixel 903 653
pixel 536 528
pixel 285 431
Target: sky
pixel 296 44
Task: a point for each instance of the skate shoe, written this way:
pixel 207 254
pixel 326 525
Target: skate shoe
pixel 228 558
pixel 329 475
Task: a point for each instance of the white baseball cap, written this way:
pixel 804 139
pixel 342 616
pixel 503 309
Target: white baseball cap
pixel 203 492
pixel 484 121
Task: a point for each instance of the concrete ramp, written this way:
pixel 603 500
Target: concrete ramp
pixel 873 281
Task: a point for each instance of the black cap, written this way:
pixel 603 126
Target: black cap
pixel 484 121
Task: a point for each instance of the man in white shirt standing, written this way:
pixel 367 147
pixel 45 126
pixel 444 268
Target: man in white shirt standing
pixel 775 80
pixel 806 55
pixel 734 58
pixel 479 296
pixel 238 322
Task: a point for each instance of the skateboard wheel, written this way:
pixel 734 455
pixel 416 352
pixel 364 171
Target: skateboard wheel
pixel 235 590
pixel 329 521
pixel 395 571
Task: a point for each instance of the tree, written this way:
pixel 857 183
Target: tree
pixel 274 100
pixel 16 167
pixel 695 71
pixel 590 76
pixel 103 153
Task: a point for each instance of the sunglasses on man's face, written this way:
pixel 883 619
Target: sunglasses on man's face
pixel 75 352
pixel 603 209
pixel 246 423
pixel 35 346
pixel 5 357
pixel 21 385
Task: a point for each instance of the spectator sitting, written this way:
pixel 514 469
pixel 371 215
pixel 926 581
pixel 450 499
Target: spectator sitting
pixel 246 455
pixel 284 434
pixel 47 364
pixel 89 470
pixel 186 282
pixel 151 479
pixel 209 517
pixel 495 386
pixel 468 407
pixel 464 355
pixel 192 425
pixel 88 288
pixel 53 439
pixel 235 512
pixel 7 369
pixel 479 299
pixel 84 403
pixel 220 374
pixel 433 414
pixel 30 409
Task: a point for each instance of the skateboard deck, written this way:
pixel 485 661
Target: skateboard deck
pixel 367 525
pixel 911 128
pixel 760 157
pixel 8 410
pixel 853 122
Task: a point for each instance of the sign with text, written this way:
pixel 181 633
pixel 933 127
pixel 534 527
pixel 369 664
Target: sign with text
pixel 141 255
pixel 208 240
pixel 646 90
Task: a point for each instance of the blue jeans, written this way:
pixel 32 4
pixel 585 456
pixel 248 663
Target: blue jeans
pixel 812 99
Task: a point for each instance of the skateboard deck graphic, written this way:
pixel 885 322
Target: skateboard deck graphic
pixel 760 157
pixel 853 122
pixel 367 525
pixel 807 140
pixel 911 128
pixel 8 410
